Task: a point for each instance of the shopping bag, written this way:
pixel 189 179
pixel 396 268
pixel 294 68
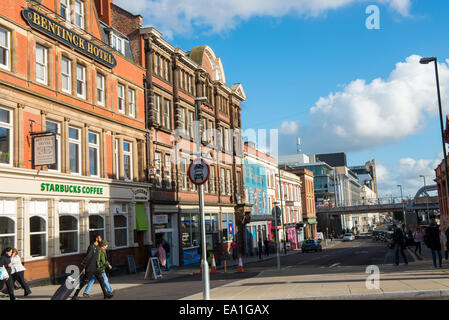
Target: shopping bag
pixel 3 273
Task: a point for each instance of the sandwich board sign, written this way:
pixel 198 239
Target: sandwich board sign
pixel 198 172
pixel 153 269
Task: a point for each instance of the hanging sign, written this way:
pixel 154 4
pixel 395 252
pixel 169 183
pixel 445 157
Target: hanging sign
pixel 44 151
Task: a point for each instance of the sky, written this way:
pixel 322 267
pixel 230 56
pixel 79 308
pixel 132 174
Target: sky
pixel 312 69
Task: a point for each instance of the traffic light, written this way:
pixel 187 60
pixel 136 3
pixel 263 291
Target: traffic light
pixel 276 212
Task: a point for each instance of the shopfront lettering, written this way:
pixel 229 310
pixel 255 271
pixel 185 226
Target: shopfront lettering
pixel 56 31
pixel 52 187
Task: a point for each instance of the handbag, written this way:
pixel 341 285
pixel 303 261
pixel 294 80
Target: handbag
pixel 3 273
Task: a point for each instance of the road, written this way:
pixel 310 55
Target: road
pixel 360 252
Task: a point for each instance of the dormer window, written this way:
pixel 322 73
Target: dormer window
pixel 117 43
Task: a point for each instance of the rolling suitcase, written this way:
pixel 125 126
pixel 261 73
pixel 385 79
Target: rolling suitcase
pixel 66 289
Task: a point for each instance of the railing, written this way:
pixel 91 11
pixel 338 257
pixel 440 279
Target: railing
pixel 365 202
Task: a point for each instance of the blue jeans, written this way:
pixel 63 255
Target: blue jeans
pixel 434 258
pixel 167 262
pixel 92 281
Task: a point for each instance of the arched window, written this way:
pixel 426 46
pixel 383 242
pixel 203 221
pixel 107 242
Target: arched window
pixel 7 233
pixel 68 234
pixel 96 227
pixel 38 237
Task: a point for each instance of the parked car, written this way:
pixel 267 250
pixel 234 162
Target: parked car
pixel 348 237
pixel 311 245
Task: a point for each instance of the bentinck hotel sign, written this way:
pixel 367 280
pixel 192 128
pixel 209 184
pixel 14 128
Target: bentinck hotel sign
pixel 58 32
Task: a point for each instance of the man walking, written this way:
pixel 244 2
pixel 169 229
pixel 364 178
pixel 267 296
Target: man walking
pixel 103 263
pixel 259 246
pixel 398 245
pixel 267 247
pixel 432 240
pixel 91 269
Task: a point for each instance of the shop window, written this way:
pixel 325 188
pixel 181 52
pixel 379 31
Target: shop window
pixel 66 75
pixel 96 227
pixel 100 89
pixel 128 160
pixel 132 102
pixel 38 237
pixel 38 211
pixel 81 81
pixel 121 98
pixel 5 51
pixel 68 234
pixel 41 64
pixel 7 233
pixel 94 154
pixel 190 230
pixel 211 222
pixel 227 227
pixel 75 150
pixel 6 127
pixel 120 230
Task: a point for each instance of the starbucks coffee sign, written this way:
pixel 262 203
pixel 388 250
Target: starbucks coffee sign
pixel 60 33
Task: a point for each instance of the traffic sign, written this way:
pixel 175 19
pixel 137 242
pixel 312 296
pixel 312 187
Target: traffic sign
pixel 198 172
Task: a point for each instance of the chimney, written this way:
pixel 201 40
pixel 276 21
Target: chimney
pixel 104 10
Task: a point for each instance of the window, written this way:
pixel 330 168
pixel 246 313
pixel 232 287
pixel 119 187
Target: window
pixel 94 154
pixel 191 124
pixel 128 160
pixel 6 136
pixel 190 230
pixel 8 213
pixel 166 118
pixel 121 98
pixel 227 226
pixel 203 129
pixel 64 7
pixel 212 179
pixel 182 118
pixel 79 14
pixel 41 64
pixel 55 128
pixel 167 172
pixel 228 182
pixel 210 132
pixel 222 181
pixel 38 228
pixel 66 75
pixel 81 81
pixel 68 227
pixel 96 220
pixel 157 108
pixel 132 102
pixel 166 75
pixel 121 230
pixel 184 177
pixel 75 150
pixel 4 49
pixel 117 43
pixel 158 165
pixel 155 63
pixel 116 159
pixel 100 89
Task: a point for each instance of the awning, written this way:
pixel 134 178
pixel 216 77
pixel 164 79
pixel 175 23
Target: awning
pixel 141 217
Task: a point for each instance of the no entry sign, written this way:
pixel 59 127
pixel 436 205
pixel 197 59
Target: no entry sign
pixel 198 172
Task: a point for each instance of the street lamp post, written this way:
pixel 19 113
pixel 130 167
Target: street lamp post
pixel 282 211
pixel 427 199
pixel 205 265
pixel 403 211
pixel 426 61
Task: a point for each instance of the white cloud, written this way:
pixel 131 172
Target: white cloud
pixel 406 173
pixel 368 114
pixel 182 16
pixel 289 127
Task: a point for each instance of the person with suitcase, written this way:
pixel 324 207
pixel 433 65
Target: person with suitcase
pixel 91 269
pixel 103 265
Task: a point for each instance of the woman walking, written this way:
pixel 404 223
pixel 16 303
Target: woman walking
pixel 418 237
pixel 161 255
pixel 5 262
pixel 18 272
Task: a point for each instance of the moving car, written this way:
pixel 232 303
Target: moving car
pixel 311 245
pixel 348 237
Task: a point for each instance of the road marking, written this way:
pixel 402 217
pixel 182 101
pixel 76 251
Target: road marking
pixel 334 265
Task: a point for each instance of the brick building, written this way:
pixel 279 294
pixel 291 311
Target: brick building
pixel 440 173
pixel 174 79
pixel 72 136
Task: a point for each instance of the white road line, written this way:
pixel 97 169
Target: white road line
pixel 334 265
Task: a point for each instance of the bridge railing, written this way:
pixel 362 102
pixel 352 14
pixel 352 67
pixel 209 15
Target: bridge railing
pixel 365 202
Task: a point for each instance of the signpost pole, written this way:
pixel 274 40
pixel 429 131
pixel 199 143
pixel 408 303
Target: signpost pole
pixel 278 257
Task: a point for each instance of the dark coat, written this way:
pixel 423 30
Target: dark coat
pixel 398 237
pixel 432 238
pixel 5 260
pixel 90 261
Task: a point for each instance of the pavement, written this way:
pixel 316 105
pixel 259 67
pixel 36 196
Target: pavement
pixel 295 281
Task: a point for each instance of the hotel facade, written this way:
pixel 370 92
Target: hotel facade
pixel 73 134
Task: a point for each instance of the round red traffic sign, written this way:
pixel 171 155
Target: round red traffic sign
pixel 198 172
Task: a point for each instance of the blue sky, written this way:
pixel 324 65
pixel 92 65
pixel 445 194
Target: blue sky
pixel 288 59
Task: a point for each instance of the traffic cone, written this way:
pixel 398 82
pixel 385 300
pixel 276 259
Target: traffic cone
pixel 213 268
pixel 240 268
